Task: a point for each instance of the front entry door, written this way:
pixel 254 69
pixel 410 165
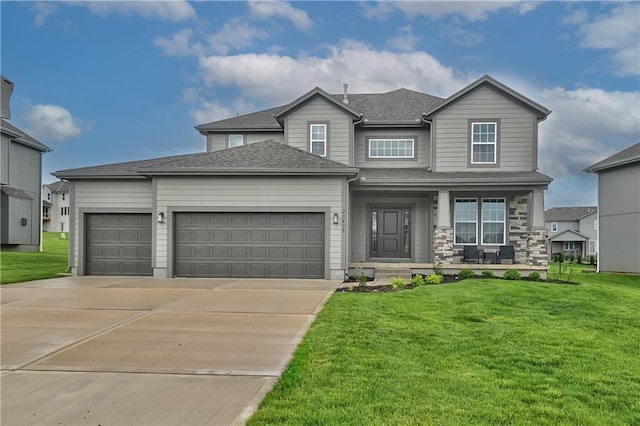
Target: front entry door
pixel 390 231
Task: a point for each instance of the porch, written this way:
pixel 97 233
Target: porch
pixel 381 273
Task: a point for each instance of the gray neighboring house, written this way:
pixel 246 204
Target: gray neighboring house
pixel 56 207
pixel 323 184
pixel 573 231
pixel 20 180
pixel 619 211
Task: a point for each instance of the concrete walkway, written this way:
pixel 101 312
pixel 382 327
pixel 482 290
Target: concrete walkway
pixel 132 351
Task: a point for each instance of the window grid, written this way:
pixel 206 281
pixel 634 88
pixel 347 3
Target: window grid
pixel 318 139
pixel 236 140
pixel 391 148
pixel 466 221
pixel 483 143
pixel 554 226
pixel 493 221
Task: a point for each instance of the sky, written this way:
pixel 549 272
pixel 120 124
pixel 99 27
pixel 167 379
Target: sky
pixel 114 81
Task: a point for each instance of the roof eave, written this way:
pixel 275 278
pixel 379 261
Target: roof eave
pixel 250 172
pixel 239 129
pixel 595 168
pixel 316 92
pixel 115 175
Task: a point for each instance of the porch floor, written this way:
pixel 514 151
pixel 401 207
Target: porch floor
pixel 382 272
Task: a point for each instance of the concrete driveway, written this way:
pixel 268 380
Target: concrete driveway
pixel 132 351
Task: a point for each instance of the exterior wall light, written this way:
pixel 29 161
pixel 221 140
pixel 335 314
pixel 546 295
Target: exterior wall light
pixel 161 217
pixel 336 218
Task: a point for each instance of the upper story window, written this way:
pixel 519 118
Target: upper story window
pixel 318 139
pixel 484 141
pixel 391 148
pixel 554 226
pixel 236 140
pixel 48 196
pixel 63 196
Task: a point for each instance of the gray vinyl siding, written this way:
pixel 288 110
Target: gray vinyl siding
pixel 175 194
pixel 420 234
pixel 4 160
pixel 517 138
pixel 587 226
pixel 563 226
pixel 105 196
pixel 619 205
pixel 318 110
pixel 218 141
pixel 421 148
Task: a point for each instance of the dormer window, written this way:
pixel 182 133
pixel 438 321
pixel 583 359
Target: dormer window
pixel 484 142
pixel 318 139
pixel 236 140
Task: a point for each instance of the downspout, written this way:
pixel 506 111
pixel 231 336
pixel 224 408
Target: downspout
pixel 347 219
pixel 431 147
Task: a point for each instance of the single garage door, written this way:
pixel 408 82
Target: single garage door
pixel 118 244
pixel 270 245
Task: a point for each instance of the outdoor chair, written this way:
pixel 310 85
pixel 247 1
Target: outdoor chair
pixel 506 253
pixel 470 253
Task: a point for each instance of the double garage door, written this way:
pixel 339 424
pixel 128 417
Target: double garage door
pixel 233 244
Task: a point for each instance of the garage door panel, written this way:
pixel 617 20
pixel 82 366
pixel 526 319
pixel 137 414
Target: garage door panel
pixel 250 244
pixel 118 244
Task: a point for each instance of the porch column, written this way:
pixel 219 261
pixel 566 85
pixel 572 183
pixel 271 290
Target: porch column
pixel 537 237
pixel 443 233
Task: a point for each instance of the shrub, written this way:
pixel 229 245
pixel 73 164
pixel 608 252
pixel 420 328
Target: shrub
pixel 511 274
pixel 534 276
pixel 437 268
pixel 398 282
pixel 466 273
pixel 558 257
pixel 362 279
pixel 579 259
pixel 487 273
pixel 572 258
pixel 434 279
pixel 418 280
pixel 592 260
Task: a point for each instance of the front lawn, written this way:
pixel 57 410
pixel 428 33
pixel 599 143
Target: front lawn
pixel 52 262
pixel 474 352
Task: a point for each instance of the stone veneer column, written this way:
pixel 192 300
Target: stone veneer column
pixel 442 233
pixel 519 227
pixel 537 242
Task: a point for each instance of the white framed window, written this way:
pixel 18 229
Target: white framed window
pixel 595 225
pixel 465 223
pixel 484 136
pixel 554 226
pixel 318 139
pixel 493 221
pixel 63 196
pixel 592 247
pixel 391 148
pixel 568 245
pixel 236 140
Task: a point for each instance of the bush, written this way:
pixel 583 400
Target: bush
pixel 558 257
pixel 579 259
pixel 437 268
pixel 362 279
pixel 534 276
pixel 511 274
pixel 466 273
pixel 572 258
pixel 434 279
pixel 418 280
pixel 487 273
pixel 592 260
pixel 398 282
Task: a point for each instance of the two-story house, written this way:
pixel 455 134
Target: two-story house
pixel 324 184
pixel 20 180
pixel 56 207
pixel 573 231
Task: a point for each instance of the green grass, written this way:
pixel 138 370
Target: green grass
pixel 52 262
pixel 474 352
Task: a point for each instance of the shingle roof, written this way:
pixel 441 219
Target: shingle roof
pixel 23 137
pixel 424 176
pixel 402 106
pixel 626 156
pixel 267 157
pixel 568 214
pixel 569 235
pixel 59 186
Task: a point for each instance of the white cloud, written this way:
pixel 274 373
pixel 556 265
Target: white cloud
pixel 617 31
pixel 275 79
pixel 268 9
pixel 475 10
pixel 586 126
pixel 52 122
pixel 460 34
pixel 179 44
pixel 213 110
pixel 42 10
pixel 172 11
pixel 406 40
pixel 235 35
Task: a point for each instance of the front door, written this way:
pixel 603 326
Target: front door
pixel 390 232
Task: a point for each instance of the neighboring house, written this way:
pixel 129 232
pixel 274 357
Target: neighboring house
pixel 572 231
pixel 20 180
pixel 619 211
pixel 56 207
pixel 324 184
